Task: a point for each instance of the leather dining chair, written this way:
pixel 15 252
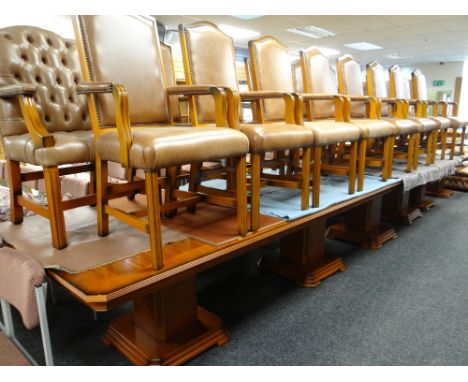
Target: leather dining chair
pixel 395 111
pixel 419 92
pixel 417 111
pixel 271 71
pixel 43 121
pixel 209 58
pixel 120 56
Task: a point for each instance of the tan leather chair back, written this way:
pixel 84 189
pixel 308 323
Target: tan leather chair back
pixel 36 56
pixel 318 78
pixel 397 83
pixel 418 85
pixel 125 49
pixel 271 71
pixel 377 84
pixel 350 83
pixel 298 81
pixel 209 59
pixel 168 64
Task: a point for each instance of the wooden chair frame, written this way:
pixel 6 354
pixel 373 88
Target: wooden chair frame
pixel 257 160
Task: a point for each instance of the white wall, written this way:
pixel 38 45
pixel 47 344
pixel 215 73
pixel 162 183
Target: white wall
pixel 448 72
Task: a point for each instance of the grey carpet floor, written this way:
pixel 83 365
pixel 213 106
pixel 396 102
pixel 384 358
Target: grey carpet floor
pixel 405 304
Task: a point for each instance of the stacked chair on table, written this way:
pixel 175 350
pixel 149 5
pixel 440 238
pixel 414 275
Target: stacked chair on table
pixel 419 92
pixel 270 71
pixel 377 133
pixel 44 122
pixel 127 95
pixel 395 111
pixel 209 58
pixel 417 111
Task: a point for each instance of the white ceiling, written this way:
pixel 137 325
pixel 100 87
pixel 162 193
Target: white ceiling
pixel 423 39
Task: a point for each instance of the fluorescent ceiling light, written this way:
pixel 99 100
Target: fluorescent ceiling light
pixel 329 51
pixel 238 33
pixel 363 46
pixel 396 56
pixel 247 17
pixel 312 32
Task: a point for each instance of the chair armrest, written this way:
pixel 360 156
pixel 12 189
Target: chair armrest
pixel 373 105
pixel 219 96
pixel 288 98
pixel 94 87
pixel 24 92
pixel 342 111
pixel 17 89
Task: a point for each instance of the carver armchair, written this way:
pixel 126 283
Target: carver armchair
pixel 128 101
pixel 209 58
pixel 43 121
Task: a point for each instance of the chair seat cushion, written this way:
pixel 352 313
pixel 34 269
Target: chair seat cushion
pixel 331 132
pixel 428 124
pixel 405 126
pixel 374 128
pixel 458 122
pixel 69 147
pixel 445 123
pixel 157 147
pixel 276 136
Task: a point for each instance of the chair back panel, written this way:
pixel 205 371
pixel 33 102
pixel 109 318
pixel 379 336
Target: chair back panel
pixel 318 78
pixel 298 80
pixel 125 49
pixel 168 64
pixel 350 83
pixel 419 85
pixel 19 275
pixel 377 84
pixel 36 56
pixel 397 83
pixel 209 59
pixel 271 71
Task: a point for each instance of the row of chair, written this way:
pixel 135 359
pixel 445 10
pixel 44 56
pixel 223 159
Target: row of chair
pixel 128 118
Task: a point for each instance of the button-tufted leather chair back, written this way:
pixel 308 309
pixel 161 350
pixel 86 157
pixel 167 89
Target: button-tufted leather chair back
pixel 319 78
pixel 419 86
pixel 209 59
pixel 36 56
pixel 125 49
pixel 350 83
pixel 377 84
pixel 271 71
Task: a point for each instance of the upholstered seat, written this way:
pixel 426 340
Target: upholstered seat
pixel 158 147
pixel 375 128
pixel 428 124
pixel 332 132
pixel 69 147
pixel 405 126
pixel 276 136
pixel 444 123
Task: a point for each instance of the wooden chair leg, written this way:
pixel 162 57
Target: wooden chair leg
pixel 54 204
pixel 305 178
pixel 410 153
pixel 92 181
pixel 443 134
pixel 241 195
pixel 417 140
pixel 255 161
pixel 352 168
pixel 429 148
pixel 101 196
pixel 453 143
pixel 14 179
pixel 385 158
pixel 391 150
pixel 316 177
pixel 154 218
pixel 361 164
pixel 462 140
pixel 194 181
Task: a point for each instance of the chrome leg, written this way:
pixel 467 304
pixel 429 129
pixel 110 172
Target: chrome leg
pixel 7 319
pixel 41 297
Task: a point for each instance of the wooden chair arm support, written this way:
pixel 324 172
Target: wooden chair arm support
pixel 373 105
pixel 15 90
pixel 288 98
pixel 218 93
pixel 38 132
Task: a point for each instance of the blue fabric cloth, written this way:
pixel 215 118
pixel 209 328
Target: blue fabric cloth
pixel 286 203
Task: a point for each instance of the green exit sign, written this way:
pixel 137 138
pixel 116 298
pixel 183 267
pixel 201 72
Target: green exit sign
pixel 438 83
